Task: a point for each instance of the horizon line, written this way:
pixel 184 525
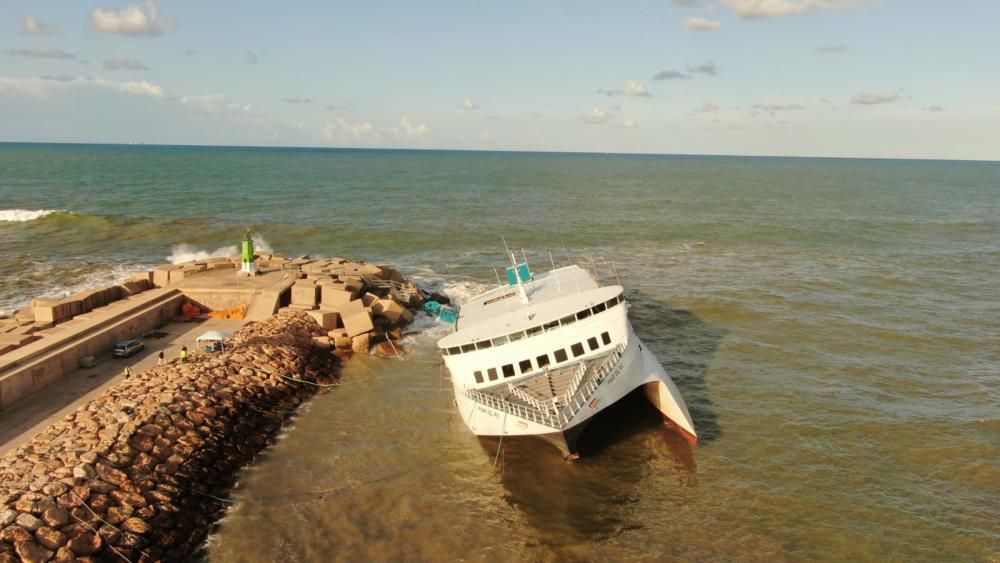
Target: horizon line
pixel 502 151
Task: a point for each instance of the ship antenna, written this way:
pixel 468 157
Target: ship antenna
pixel 615 270
pixel 554 273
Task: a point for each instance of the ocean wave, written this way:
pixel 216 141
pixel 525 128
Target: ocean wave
pixel 187 252
pixel 22 215
pixel 43 279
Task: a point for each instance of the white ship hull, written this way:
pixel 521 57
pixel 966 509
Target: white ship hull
pixel 542 356
pixel 638 368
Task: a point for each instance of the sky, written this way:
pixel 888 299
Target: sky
pixel 839 78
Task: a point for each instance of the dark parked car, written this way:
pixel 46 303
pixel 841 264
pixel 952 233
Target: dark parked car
pixel 127 348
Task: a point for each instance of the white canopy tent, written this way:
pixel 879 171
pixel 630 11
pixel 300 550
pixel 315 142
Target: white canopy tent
pixel 212 336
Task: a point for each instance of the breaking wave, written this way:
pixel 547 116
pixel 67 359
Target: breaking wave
pixel 187 252
pixel 22 215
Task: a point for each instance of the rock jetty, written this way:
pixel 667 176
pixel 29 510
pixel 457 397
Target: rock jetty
pixel 138 474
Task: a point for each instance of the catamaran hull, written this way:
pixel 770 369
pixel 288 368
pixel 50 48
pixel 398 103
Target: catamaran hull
pixel 639 369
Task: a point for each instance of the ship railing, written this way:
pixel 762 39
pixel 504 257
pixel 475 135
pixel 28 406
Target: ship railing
pixel 606 371
pixel 560 410
pixel 546 418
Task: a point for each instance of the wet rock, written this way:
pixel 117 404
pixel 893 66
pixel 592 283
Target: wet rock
pixel 84 471
pixel 136 526
pixel 7 517
pixel 29 522
pixel 55 517
pixel 110 474
pixel 14 533
pixel 86 543
pixel 31 552
pixel 49 538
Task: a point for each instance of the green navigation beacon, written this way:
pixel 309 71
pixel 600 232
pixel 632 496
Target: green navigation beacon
pixel 249 267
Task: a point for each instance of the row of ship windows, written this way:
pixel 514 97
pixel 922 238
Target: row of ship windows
pixel 543 361
pixel 567 320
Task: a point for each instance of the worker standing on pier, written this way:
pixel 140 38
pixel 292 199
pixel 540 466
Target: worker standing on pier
pixel 184 353
pixel 128 372
pixel 159 358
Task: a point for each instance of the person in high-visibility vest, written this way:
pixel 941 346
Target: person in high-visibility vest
pixel 184 353
pixel 128 372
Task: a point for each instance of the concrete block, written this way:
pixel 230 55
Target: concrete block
pixel 357 322
pixel 17 340
pixel 368 299
pixel 361 343
pixel 221 266
pixel 4 348
pixel 392 310
pixel 332 296
pixel 322 342
pixel 304 293
pixel 390 273
pixel 325 319
pixel 161 274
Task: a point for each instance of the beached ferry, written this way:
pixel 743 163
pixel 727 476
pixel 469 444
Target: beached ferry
pixel 541 355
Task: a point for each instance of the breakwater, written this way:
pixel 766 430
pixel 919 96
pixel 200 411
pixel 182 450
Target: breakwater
pixel 138 474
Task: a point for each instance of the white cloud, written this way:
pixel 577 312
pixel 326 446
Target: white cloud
pixel 934 109
pixel 31 26
pixel 296 100
pixel 41 53
pixel 869 99
pixel 595 116
pixel 413 131
pixel 698 23
pixel 360 130
pixel 755 9
pixel 708 107
pixel 486 135
pixel 132 20
pixel 143 88
pixel 635 88
pixel 250 57
pixel 778 106
pixel 630 124
pixel 118 63
pixel 467 103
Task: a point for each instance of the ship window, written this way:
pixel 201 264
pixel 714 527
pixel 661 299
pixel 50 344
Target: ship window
pixel 552 325
pixel 577 350
pixel 500 340
pixel 482 345
pixel 542 360
pixel 525 366
pixel 508 370
pixel 492 372
pixel 517 336
pixel 560 355
pixel 468 347
pixel 583 314
pixel 454 350
pixel 606 338
pixel 479 376
pixel 612 302
pixel 592 342
pixel 599 308
pixel 567 320
pixel 534 330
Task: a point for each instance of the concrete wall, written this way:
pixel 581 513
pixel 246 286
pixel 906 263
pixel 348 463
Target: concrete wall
pixel 219 299
pixel 32 367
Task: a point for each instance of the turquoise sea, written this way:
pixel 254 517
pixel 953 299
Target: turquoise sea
pixel 834 325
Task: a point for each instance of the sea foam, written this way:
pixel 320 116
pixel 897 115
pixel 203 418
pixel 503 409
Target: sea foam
pixel 186 252
pixel 22 215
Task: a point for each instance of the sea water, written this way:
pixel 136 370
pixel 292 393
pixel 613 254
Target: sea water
pixel 832 324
